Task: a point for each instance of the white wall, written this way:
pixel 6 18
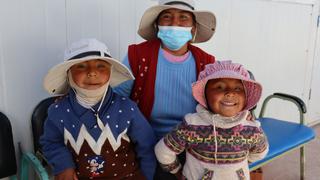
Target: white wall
pixel 273 38
pixel 314 99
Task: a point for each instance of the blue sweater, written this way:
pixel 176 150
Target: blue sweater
pixel 70 130
pixel 173 93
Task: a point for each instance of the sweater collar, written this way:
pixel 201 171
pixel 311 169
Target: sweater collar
pixel 221 121
pixel 80 110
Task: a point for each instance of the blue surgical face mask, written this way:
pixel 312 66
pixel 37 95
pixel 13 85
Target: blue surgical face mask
pixel 174 37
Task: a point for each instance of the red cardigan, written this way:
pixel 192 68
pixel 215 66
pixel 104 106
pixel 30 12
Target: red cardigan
pixel 143 60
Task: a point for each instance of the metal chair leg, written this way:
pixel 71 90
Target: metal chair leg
pixel 26 160
pixel 302 163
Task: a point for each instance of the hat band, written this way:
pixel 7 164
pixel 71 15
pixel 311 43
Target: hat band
pixel 90 53
pixel 179 2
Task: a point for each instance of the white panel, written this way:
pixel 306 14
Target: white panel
pixel 130 13
pixel 141 7
pixel 274 43
pixel 2 68
pixel 314 110
pixel 127 25
pixel 219 43
pixel 56 37
pixel 309 2
pixel 2 76
pixel 25 54
pixel 110 26
pixel 4 23
pixel 23 37
pixel 84 19
pixel 270 38
pixel 120 24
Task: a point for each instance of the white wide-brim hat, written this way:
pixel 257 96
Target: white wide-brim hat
pixel 56 81
pixel 205 20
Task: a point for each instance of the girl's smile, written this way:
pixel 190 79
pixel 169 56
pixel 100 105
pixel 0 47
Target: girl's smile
pixel 225 96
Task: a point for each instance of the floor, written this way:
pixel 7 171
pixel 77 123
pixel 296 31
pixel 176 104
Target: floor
pixel 287 167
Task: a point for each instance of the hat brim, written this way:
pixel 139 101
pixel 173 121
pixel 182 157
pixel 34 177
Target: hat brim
pixel 206 23
pixel 55 82
pixel 252 88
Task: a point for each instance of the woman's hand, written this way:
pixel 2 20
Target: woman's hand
pixel 68 174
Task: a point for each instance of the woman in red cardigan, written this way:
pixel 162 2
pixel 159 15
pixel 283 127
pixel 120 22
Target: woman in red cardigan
pixel 166 64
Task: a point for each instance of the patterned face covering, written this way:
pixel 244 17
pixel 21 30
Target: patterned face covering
pixel 174 37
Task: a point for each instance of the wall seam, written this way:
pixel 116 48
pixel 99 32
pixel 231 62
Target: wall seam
pixel 2 77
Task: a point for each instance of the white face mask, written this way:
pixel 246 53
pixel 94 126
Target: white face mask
pixel 88 98
pixel 174 37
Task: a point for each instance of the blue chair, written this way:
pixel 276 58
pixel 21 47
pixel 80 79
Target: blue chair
pixel 284 136
pixel 8 166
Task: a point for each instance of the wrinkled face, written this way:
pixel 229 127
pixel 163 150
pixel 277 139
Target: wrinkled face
pixel 176 17
pixel 225 96
pixel 91 74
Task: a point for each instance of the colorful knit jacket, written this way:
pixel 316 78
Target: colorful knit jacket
pixel 143 59
pixel 122 149
pixel 216 147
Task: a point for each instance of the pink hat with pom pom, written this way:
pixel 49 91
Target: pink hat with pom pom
pixel 227 69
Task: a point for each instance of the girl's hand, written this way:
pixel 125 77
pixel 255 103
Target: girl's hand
pixel 68 174
pixel 250 117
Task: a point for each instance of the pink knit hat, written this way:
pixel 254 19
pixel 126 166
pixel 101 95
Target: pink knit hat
pixel 227 69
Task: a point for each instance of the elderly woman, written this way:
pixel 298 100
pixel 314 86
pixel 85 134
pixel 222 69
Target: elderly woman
pixel 166 64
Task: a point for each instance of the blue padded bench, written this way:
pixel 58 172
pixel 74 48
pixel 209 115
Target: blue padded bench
pixel 284 136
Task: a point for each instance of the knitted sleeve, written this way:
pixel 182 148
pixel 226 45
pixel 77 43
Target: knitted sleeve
pixel 260 147
pixel 125 88
pixel 54 149
pixel 172 144
pixel 141 134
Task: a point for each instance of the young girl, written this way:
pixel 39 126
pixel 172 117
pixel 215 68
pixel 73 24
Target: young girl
pixel 218 139
pixel 93 133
